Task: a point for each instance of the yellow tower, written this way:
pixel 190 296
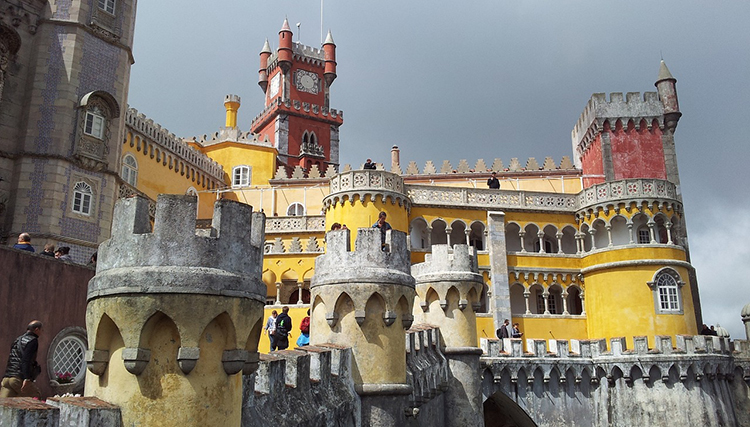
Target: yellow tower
pixel 151 350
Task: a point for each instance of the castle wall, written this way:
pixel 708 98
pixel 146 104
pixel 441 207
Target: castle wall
pixel 637 153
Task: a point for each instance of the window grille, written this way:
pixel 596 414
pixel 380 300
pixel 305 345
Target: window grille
pixel 68 357
pixel 82 195
pixel 644 236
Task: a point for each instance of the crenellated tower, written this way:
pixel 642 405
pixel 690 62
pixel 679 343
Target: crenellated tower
pixel 297 117
pixel 449 286
pixel 363 299
pixel 174 316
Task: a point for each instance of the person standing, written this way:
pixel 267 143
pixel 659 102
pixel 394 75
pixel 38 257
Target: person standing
pixel 503 332
pixel 283 329
pixel 22 368
pixel 49 250
pixel 271 328
pixel 24 242
pixel 383 226
pixel 370 165
pixel 493 182
pixel 304 328
pixel 516 332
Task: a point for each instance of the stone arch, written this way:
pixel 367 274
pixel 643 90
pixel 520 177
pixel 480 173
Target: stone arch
pixel 476 235
pixel 418 234
pixel 517 299
pixel 458 233
pixel 343 308
pixel 500 410
pixel 451 298
pixel 375 307
pixel 430 296
pixel 654 373
pixel 574 302
pixel 660 229
pixel 601 239
pixel 161 336
pixel 568 240
pixel 107 332
pixel 438 236
pixel 251 344
pixel 531 238
pixel 157 319
pixel 619 230
pixel 554 299
pixel 585 235
pixel 473 296
pixel 512 237
pixel 223 324
pixel 536 302
pixel 550 239
pixel 641 232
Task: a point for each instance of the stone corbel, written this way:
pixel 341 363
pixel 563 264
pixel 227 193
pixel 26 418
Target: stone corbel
pixel 97 361
pixel 234 360
pixel 251 363
pixel 462 304
pixel 443 304
pixel 389 317
pixel 425 306
pixel 407 320
pixel 187 357
pixel 360 316
pixel 136 359
pixel 332 318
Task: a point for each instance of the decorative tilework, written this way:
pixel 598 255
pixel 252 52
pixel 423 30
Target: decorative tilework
pixel 63 9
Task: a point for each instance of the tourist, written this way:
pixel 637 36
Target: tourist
pixel 24 242
pixel 304 328
pixel 271 328
pixel 49 250
pixel 516 332
pixel 370 165
pixel 383 226
pixel 503 331
pixel 283 329
pixel 63 253
pixel 336 226
pixel 22 368
pixel 493 182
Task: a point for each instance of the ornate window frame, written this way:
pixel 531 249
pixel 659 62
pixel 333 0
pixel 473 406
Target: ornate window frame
pixel 666 287
pixel 82 201
pixel 242 176
pixel 67 353
pixel 92 145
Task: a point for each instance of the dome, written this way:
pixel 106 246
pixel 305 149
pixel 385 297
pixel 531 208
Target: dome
pixel 722 332
pixel 745 311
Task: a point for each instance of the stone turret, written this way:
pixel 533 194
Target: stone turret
pixel 746 320
pixel 666 85
pixel 265 53
pixel 329 48
pixel 448 286
pixel 363 299
pixel 284 51
pixel 174 316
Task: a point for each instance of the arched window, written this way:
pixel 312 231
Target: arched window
pixel 67 357
pixel 667 293
pixel 82 196
pixel 129 170
pixel 295 209
pixel 192 192
pixel 241 176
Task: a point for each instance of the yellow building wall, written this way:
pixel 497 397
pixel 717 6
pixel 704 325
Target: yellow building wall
pixel 230 154
pixel 298 267
pixel 155 177
pixel 364 213
pixel 296 312
pixel 558 327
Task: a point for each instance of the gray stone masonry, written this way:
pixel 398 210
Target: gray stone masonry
pixel 561 383
pixel 27 412
pixel 136 260
pixel 86 412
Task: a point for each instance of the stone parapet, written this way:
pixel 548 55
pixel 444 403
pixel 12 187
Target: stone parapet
pixel 490 199
pixel 444 264
pixel 377 184
pixel 136 260
pixel 426 366
pixel 650 191
pixel 370 262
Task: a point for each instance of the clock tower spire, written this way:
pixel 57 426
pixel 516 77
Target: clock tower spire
pixel 297 116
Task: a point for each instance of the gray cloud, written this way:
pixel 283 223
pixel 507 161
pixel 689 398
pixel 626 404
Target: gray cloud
pixel 484 79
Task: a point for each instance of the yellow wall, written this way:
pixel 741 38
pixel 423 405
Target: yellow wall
pixel 364 213
pixel 231 154
pixel 296 312
pixel 155 177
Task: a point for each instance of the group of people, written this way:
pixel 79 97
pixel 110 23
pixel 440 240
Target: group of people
pixel 62 253
pixel 507 331
pixel 705 330
pixel 279 329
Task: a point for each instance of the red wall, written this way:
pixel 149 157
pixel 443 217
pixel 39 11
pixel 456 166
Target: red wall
pixel 36 287
pixel 637 153
pixel 591 164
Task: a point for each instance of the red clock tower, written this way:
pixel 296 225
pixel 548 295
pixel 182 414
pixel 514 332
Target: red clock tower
pixel 297 117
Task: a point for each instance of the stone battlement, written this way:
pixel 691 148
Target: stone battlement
pixel 370 262
pixel 298 108
pixel 481 167
pixel 458 264
pixel 136 260
pixel 377 184
pixel 427 367
pixel 145 126
pixel 231 135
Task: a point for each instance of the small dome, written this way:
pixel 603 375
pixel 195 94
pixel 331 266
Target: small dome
pixel 745 311
pixel 722 332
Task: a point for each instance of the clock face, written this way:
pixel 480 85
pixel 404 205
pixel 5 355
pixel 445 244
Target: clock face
pixel 307 81
pixel 274 85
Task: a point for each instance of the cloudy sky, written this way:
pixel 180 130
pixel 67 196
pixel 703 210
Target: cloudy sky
pixel 485 79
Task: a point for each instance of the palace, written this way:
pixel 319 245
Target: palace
pixel 585 250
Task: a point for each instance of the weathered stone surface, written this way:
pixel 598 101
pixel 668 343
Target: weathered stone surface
pixel 27 412
pixel 86 412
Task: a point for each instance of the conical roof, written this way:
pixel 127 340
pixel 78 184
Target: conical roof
pixel 664 73
pixel 329 39
pixel 266 47
pixel 285 26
